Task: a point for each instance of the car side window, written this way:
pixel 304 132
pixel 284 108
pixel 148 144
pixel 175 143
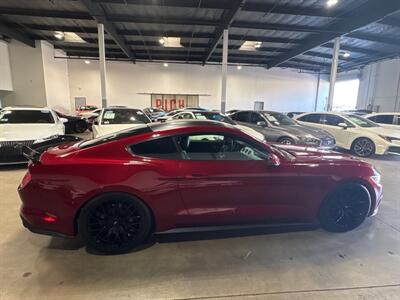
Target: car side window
pixel 384 119
pixel 163 148
pixel 242 116
pixel 311 118
pixel 398 121
pixel 218 147
pixel 255 118
pixel 332 120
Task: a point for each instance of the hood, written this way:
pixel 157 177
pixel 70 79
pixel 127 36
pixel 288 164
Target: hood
pixel 303 130
pixel 29 132
pixel 304 154
pixel 107 129
pixel 385 131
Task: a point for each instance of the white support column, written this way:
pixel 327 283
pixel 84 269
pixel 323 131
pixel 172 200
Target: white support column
pixel 335 59
pixel 317 93
pixel 102 59
pixel 224 70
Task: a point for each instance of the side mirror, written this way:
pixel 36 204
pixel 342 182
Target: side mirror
pixel 343 125
pixel 63 120
pixel 273 160
pixel 261 123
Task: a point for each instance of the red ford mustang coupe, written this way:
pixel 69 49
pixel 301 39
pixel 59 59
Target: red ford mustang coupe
pixel 117 190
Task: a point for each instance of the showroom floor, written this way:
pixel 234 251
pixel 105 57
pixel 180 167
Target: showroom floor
pixel 309 264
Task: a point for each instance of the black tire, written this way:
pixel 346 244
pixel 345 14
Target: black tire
pixel 115 223
pixel 80 126
pixel 363 147
pixel 346 208
pixel 286 141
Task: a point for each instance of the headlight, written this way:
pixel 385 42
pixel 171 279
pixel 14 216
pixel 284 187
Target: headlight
pixel 390 139
pixel 376 177
pixel 310 140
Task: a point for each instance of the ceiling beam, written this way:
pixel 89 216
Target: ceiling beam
pixel 391 21
pixel 64 14
pixel 375 38
pixel 97 12
pixel 369 12
pixel 227 19
pixel 16 34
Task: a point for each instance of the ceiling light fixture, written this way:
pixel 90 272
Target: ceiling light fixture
pixel 239 67
pixel 165 64
pixel 346 54
pixel 59 35
pixel 161 41
pixel 250 46
pixel 331 3
pixel 87 61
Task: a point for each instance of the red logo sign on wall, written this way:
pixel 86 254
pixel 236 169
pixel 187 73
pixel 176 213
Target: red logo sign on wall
pixel 170 102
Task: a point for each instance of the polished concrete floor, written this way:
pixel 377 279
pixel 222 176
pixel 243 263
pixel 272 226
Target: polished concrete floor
pixel 255 264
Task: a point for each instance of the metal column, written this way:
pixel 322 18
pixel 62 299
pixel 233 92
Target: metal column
pixel 224 70
pixel 317 93
pixel 335 59
pixel 102 59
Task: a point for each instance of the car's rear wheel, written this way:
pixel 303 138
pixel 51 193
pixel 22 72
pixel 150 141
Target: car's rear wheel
pixel 363 147
pixel 115 223
pixel 346 208
pixel 80 126
pixel 286 140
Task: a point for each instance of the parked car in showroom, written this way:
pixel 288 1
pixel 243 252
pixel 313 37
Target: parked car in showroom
pixel 159 176
pixel 114 119
pixel 276 127
pixel 387 120
pixel 293 114
pixel 216 116
pixel 85 109
pixel 74 124
pixel 154 113
pixel 352 132
pixel 23 126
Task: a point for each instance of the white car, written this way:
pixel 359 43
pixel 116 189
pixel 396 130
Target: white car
pixel 362 136
pixel 387 120
pixel 24 126
pixel 216 116
pixel 114 119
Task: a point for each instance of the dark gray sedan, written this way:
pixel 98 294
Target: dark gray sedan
pixel 277 127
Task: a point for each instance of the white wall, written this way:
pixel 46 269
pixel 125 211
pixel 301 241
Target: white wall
pixel 380 86
pixel 282 90
pixel 5 68
pixel 55 78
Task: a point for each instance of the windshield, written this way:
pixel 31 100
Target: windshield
pixel 124 116
pixel 362 122
pixel 26 116
pixel 278 118
pixel 213 116
pixel 115 136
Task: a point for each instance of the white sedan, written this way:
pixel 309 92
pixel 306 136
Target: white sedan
pixel 388 120
pixel 24 126
pixel 362 136
pixel 114 119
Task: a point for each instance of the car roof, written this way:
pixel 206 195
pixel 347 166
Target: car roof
pixel 26 108
pixel 180 124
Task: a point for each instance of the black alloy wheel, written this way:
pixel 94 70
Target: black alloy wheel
pixel 363 147
pixel 286 141
pixel 115 223
pixel 80 126
pixel 346 208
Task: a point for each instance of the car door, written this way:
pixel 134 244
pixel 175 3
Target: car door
pixel 227 180
pixel 330 123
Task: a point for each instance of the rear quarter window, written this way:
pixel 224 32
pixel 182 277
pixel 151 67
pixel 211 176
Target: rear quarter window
pixel 163 148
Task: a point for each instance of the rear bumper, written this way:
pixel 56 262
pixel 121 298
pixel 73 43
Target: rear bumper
pixel 37 230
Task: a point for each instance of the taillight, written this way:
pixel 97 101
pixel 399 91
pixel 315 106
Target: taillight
pixel 26 179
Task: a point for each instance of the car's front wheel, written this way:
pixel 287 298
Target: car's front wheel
pixel 346 208
pixel 115 223
pixel 286 141
pixel 80 126
pixel 363 147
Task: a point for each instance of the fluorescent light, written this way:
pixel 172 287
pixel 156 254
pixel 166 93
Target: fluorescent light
pixel 87 61
pixel 59 35
pixel 250 46
pixel 331 3
pixel 239 67
pixel 165 64
pixel 346 54
pixel 173 42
